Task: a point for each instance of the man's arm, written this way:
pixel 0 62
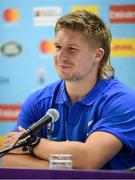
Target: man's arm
pixel 23 160
pixel 17 157
pixel 99 148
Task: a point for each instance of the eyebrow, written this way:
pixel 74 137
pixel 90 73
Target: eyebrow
pixel 55 43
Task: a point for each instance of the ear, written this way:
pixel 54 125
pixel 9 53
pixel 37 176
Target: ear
pixel 99 55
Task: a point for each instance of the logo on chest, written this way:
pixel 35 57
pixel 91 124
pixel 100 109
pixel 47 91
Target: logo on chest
pixel 90 123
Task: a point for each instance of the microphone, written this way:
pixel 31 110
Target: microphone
pixel 51 115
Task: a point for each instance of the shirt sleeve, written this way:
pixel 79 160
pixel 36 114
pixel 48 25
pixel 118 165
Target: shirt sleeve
pixel 28 113
pixel 118 118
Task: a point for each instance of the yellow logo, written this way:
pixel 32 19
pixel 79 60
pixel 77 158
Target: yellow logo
pixel 93 9
pixel 123 47
pixel 1 141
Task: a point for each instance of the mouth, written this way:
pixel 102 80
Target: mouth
pixel 63 67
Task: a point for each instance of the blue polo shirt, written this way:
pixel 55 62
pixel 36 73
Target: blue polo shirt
pixel 108 107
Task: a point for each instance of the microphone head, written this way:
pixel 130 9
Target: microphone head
pixel 54 113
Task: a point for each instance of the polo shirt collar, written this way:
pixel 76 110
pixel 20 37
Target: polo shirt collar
pixel 97 90
pixel 62 96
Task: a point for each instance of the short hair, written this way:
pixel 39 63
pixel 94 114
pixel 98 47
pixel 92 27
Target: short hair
pixel 93 28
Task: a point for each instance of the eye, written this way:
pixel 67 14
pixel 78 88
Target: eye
pixel 73 49
pixel 57 47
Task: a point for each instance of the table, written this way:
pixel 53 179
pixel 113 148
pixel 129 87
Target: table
pixel 20 173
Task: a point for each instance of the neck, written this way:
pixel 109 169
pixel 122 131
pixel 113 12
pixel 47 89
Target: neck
pixel 78 89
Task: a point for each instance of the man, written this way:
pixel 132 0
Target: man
pixel 97 112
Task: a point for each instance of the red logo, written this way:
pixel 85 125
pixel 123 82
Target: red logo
pixel 9 112
pixel 11 15
pixel 46 46
pixel 122 14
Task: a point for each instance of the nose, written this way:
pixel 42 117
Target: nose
pixel 61 54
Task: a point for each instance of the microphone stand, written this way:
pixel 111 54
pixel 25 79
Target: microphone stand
pixel 24 144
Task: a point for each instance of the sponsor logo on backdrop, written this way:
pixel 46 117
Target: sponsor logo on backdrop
pixel 11 15
pixel 46 16
pixel 122 14
pixel 123 47
pixel 4 80
pixel 47 47
pixel 11 49
pixel 41 75
pixel 9 112
pixel 93 9
pixel 1 141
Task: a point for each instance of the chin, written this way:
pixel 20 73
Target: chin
pixel 64 77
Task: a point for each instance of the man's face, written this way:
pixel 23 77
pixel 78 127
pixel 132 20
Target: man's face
pixel 73 56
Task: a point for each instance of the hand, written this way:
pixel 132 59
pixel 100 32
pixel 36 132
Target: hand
pixel 11 138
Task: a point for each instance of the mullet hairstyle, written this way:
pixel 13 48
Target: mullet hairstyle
pixel 94 30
